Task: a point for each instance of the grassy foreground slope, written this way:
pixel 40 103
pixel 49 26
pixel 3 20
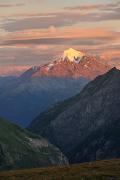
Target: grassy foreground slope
pixel 99 170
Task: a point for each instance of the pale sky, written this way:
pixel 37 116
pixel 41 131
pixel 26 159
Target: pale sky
pixel 33 31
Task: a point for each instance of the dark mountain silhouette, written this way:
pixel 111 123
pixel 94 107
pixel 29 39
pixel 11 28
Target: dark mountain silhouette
pixel 86 127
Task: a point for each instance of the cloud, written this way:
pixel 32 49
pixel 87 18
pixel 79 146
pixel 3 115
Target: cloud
pixel 12 70
pixel 57 36
pixel 58 19
pixel 111 54
pixel 11 5
pixel 57 41
pixel 62 32
pixel 102 7
pixel 25 55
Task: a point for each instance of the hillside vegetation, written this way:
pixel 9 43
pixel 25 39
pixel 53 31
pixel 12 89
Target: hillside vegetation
pixel 21 149
pixel 100 170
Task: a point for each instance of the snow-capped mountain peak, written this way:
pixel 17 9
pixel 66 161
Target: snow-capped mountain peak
pixel 72 63
pixel 73 55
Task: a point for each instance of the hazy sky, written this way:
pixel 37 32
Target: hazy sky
pixel 33 31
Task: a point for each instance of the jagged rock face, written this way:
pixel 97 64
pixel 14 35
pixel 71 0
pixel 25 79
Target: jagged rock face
pixel 86 118
pixel 103 143
pixel 21 149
